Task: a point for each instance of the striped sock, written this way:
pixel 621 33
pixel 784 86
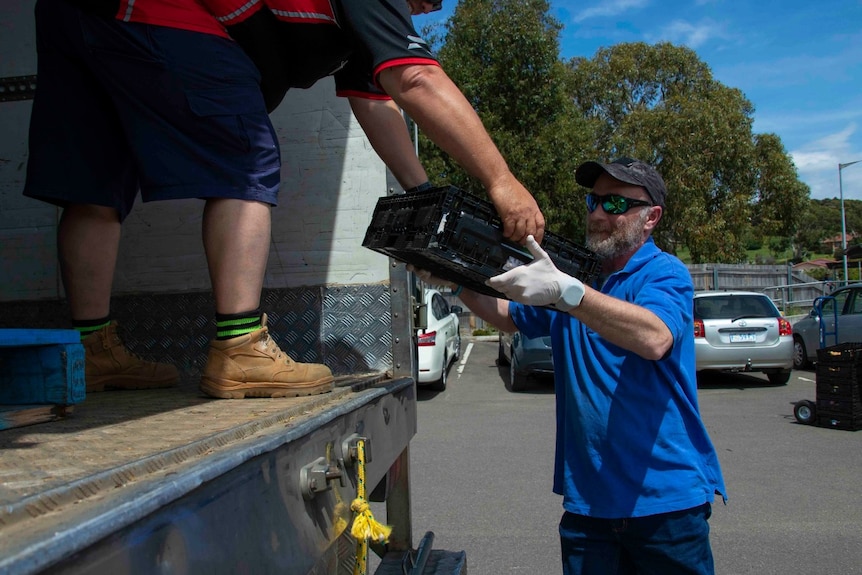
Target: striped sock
pixel 236 324
pixel 88 326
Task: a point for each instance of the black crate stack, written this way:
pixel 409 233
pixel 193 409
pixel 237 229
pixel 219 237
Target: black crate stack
pixel 839 387
pixel 459 237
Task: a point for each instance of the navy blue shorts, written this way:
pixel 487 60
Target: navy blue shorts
pixel 122 107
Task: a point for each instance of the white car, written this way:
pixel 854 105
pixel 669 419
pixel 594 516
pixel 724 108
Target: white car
pixel 439 343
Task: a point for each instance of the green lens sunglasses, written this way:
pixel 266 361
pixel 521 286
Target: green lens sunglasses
pixel 613 204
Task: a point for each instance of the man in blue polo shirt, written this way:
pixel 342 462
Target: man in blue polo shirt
pixel 634 463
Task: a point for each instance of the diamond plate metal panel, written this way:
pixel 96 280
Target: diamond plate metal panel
pixel 346 327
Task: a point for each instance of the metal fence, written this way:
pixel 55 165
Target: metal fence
pixel 792 291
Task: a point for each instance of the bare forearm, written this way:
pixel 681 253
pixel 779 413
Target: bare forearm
pixel 429 97
pixel 627 325
pixel 383 123
pixel 493 310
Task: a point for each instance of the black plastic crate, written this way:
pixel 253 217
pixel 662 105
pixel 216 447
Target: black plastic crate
pixel 843 353
pixel 458 237
pixel 848 387
pixel 839 371
pixel 839 387
pixel 837 420
pixel 838 404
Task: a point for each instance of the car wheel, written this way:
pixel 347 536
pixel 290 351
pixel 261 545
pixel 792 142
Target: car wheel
pixel 800 354
pixel 517 381
pixel 779 377
pixel 805 411
pixel 440 384
pixel 457 355
pixel 501 355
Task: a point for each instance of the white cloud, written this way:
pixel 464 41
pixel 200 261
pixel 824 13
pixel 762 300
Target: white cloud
pixel 813 161
pixel 691 35
pixel 817 162
pixel 832 147
pixel 851 178
pixel 609 8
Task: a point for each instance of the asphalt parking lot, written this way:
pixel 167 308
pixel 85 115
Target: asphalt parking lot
pixel 483 457
pixel 794 489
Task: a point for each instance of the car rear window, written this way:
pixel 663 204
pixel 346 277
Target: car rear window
pixel 733 306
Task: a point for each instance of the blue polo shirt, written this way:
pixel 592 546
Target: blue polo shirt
pixel 630 440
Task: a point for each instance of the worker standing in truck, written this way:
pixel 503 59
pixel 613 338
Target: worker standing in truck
pixel 154 96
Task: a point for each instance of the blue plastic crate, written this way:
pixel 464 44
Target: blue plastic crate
pixel 41 366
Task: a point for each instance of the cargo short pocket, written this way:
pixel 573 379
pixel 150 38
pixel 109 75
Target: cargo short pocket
pixel 233 119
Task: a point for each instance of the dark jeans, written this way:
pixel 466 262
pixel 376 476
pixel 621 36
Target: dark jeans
pixel 664 544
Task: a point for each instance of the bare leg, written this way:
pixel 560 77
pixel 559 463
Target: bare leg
pixel 236 239
pixel 236 236
pixel 88 239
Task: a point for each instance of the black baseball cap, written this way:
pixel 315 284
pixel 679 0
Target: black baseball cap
pixel 625 170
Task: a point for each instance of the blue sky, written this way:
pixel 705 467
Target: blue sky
pixel 798 62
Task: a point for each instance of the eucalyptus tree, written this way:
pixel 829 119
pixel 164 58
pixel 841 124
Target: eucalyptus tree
pixel 657 102
pixel 660 103
pixel 504 55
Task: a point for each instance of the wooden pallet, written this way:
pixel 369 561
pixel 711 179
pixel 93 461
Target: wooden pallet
pixel 21 415
pixel 41 375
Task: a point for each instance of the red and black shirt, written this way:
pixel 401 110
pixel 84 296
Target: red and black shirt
pixel 354 40
pixel 297 42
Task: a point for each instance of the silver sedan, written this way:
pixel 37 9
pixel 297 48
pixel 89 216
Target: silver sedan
pixel 742 331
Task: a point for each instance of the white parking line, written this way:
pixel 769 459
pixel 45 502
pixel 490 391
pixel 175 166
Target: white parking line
pixel 464 357
pixel 804 378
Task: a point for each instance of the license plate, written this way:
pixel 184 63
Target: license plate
pixel 742 337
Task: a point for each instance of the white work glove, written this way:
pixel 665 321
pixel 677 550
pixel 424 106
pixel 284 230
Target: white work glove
pixel 539 282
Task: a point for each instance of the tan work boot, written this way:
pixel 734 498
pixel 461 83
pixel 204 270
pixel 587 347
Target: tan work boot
pixel 252 365
pixel 109 365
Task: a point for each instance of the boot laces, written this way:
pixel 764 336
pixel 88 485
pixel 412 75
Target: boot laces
pixel 273 348
pixel 115 341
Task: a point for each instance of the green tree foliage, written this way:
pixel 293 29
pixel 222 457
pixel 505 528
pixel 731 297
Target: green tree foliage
pixel 780 198
pixel 728 186
pixel 817 221
pixel 504 56
pixel 821 220
pixel 660 103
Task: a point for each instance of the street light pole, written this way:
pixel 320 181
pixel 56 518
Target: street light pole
pixel 843 219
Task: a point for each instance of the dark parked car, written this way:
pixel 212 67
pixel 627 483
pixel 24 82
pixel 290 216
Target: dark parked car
pixel 742 331
pixel 526 358
pixel 844 305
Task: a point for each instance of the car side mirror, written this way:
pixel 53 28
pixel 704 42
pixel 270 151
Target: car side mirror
pixel 457 309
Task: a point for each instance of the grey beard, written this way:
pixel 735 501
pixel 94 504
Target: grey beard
pixel 623 240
